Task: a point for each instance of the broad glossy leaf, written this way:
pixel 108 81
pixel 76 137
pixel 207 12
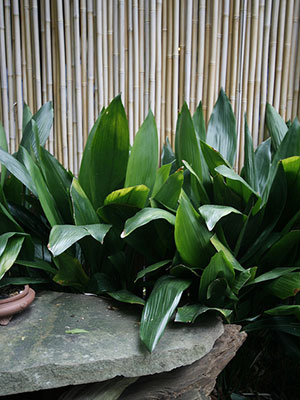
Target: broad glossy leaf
pixel 290 145
pixel 64 236
pixel 220 247
pixel 213 213
pixel 199 123
pixel 283 324
pixel 169 192
pixel 191 312
pixel 203 196
pixel 212 157
pixel 167 155
pixel 185 272
pixel 191 235
pixel 218 267
pixel 250 171
pixel 143 160
pixel 22 281
pixel 276 126
pixel 162 175
pixel 291 168
pixel 46 199
pixel 287 285
pixel 145 216
pixel 285 310
pixel 18 170
pixel 221 130
pixel 262 165
pixel 27 115
pixel 126 297
pixel 38 264
pixel 10 254
pixel 243 278
pixel 7 221
pixel 159 308
pixel 83 211
pixel 151 268
pixel 70 272
pixel 109 153
pixel 186 143
pixel 101 283
pixel 283 251
pixel 4 238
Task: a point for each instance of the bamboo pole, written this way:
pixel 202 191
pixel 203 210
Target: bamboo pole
pixel 212 58
pixel 105 54
pixel 69 83
pixel 78 81
pixel 10 74
pixel 206 60
pixel 188 51
pixel 49 65
pixel 56 96
pixel 152 53
pixel 234 54
pixel 226 9
pixel 90 65
pixel 23 49
pixel 175 60
pixel 74 100
pixel 43 47
pixel 83 42
pixel 194 57
pixel 171 100
pixel 37 60
pixel 279 55
pixel 116 54
pixel 28 55
pixel 3 76
pixel 286 58
pixel 110 51
pixel 130 72
pixel 297 83
pixel 218 60
pixel 18 67
pixel 100 77
pixel 95 59
pixel 272 54
pixel 135 54
pixel 264 75
pixel 126 54
pixel 164 71
pixel 201 47
pixel 182 51
pixel 253 53
pixel 228 66
pixel 257 84
pixel 293 61
pixel 158 70
pixel 122 34
pixel 147 59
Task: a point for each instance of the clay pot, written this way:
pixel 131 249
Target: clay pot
pixel 15 304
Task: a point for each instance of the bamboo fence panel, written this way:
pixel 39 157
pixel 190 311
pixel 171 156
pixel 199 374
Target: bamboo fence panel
pixel 156 53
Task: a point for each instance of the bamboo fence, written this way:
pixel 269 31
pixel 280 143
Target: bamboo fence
pixel 157 53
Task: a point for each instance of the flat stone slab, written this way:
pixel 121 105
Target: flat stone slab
pixel 37 353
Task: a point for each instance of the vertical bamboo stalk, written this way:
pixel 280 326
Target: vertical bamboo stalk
pixel 69 83
pixel 100 54
pixel 182 51
pixel 18 66
pixel 28 55
pixel 63 93
pixel 116 48
pixel 164 70
pixel 297 82
pixel 135 54
pixel 253 53
pixel 257 85
pixel 201 47
pixel 171 100
pixel 141 59
pixel 147 59
pixel 264 74
pixel 228 66
pixel 83 35
pixel 105 47
pixel 43 47
pixel 110 51
pixel 49 65
pixel 90 18
pixel 3 76
pixel 212 58
pixel 96 86
pixel 126 54
pixel 272 54
pixel 234 54
pixel 55 77
pixel 122 49
pixel 218 58
pixel 188 51
pixel 293 61
pixel 279 55
pixel 194 56
pixel 286 58
pixel 158 70
pixel 23 44
pixel 175 82
pixel 226 9
pixel 74 113
pixel 10 75
pixel 78 81
pixel 37 61
pixel 130 72
pixel 206 60
pixel 152 53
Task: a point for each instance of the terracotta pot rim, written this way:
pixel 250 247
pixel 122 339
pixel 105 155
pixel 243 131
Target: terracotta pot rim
pixel 17 305
pixel 22 294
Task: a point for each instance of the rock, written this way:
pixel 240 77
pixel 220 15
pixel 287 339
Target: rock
pixel 37 353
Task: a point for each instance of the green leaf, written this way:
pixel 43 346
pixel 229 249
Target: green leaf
pixel 27 116
pixel 145 216
pixel 10 254
pixel 159 308
pixel 46 199
pixel 167 155
pixel 283 324
pixel 3 146
pixel 285 310
pixel 249 171
pixel 76 331
pixel 213 213
pixel 83 211
pixel 109 153
pixel 276 126
pixel 191 312
pixel 191 235
pixel 199 123
pixel 186 143
pixel 126 297
pixel 162 175
pixel 212 157
pixel 220 247
pixel 38 264
pixel 169 193
pixel 262 165
pixel 243 278
pixel 203 197
pixel 286 286
pixel 218 267
pixel 17 169
pixel 22 281
pixel 221 130
pixel 283 251
pixel 143 160
pixel 290 145
pixel 151 268
pixel 64 236
pixel 70 272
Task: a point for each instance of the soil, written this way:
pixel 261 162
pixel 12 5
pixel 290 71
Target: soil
pixel 10 291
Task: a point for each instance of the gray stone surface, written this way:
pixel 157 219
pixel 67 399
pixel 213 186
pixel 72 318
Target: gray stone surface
pixel 37 353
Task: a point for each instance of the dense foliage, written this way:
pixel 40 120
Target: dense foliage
pixel 191 236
